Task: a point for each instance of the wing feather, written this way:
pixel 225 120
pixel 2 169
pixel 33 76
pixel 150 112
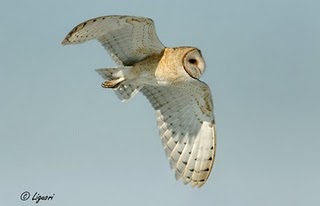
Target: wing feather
pixel 187 128
pixel 128 39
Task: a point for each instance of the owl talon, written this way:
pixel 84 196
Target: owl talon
pixel 109 84
pixel 112 83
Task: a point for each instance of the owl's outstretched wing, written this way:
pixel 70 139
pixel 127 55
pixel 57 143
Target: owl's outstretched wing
pixel 128 39
pixel 187 128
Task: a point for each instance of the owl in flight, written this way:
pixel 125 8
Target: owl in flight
pixel 169 78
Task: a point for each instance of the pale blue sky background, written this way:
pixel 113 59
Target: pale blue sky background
pixel 62 133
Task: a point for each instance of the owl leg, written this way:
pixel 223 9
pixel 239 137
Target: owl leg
pixel 112 83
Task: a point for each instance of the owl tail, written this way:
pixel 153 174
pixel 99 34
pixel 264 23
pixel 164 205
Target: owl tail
pixel 116 79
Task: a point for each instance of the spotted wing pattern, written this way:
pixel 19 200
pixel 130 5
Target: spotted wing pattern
pixel 128 39
pixel 187 128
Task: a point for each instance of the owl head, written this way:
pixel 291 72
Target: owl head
pixel 194 63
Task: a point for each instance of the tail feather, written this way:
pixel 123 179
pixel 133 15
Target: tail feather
pixel 124 91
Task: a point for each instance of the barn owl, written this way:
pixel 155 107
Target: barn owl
pixel 169 78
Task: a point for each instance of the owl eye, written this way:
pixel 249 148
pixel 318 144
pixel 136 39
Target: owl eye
pixel 192 61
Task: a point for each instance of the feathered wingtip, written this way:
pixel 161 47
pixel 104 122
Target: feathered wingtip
pixel 65 41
